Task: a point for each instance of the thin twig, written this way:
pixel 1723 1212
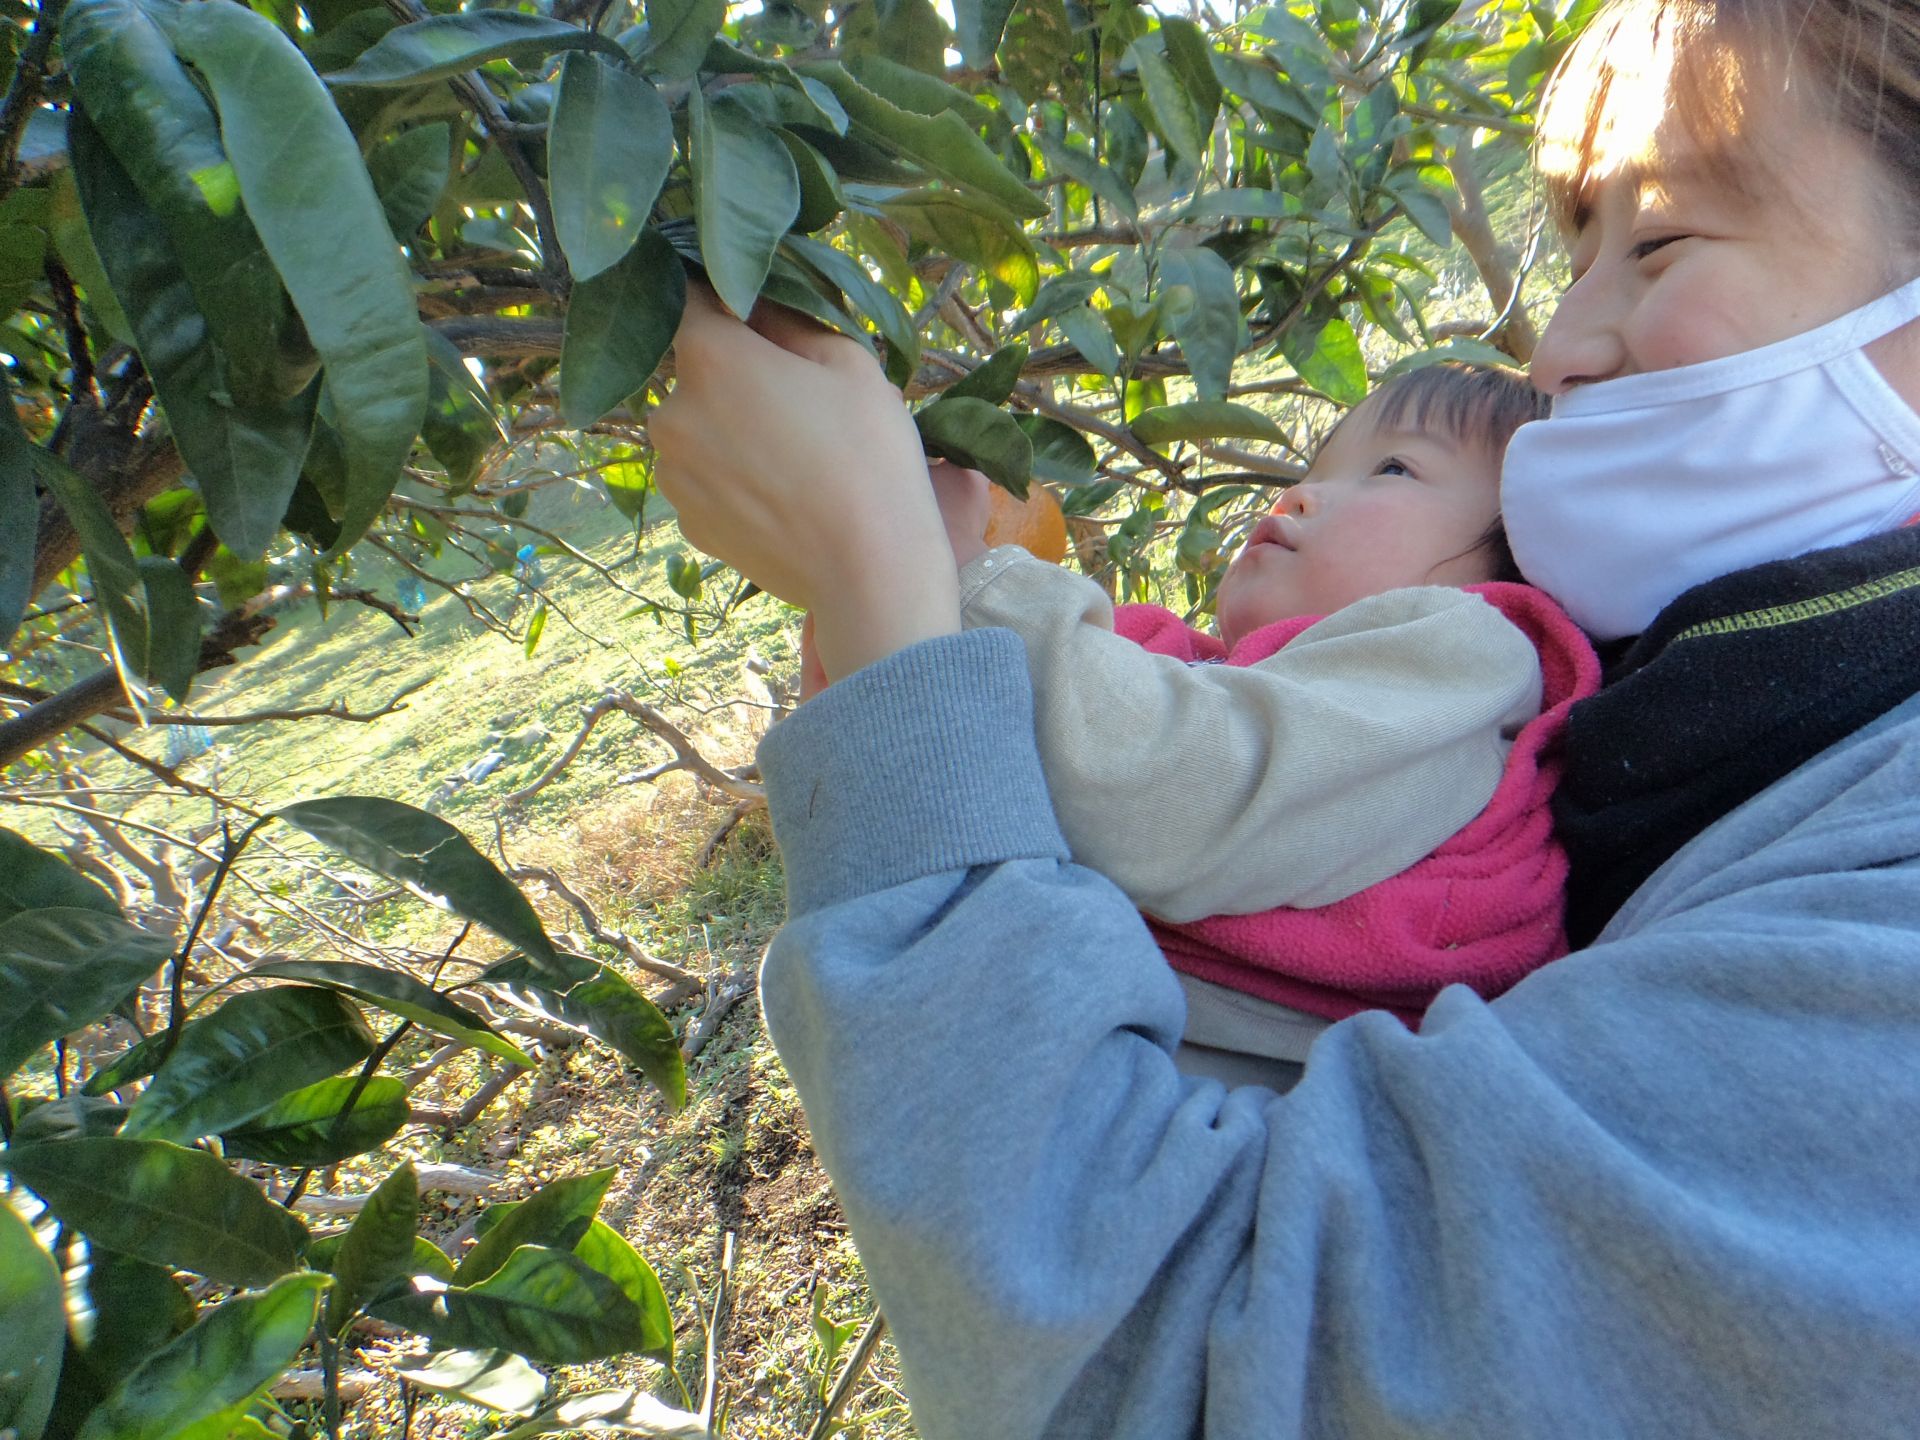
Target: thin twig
pixel 710 1398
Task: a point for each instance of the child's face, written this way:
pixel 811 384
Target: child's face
pixel 1381 509
pixel 1676 263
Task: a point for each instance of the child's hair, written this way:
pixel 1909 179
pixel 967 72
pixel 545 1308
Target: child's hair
pixel 1701 60
pixel 1471 405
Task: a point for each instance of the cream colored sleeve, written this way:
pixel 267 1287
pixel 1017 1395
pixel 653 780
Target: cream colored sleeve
pixel 1226 790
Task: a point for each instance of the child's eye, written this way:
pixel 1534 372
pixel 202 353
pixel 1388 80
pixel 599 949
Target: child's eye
pixel 1392 465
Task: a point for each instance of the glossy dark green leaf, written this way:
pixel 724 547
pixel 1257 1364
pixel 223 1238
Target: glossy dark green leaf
pixel 164 1203
pixel 34 1335
pixel 1329 359
pixel 1202 307
pixel 164 135
pixel 460 427
pixel 136 1062
pixel 942 144
pixel 1060 452
pixel 619 1016
pixel 821 199
pixel 232 1063
pixel 1177 115
pixel 609 1252
pixel 138 1307
pixel 1060 293
pixel 869 297
pixel 400 994
pixel 678 33
pixel 62 968
pixel 406 844
pixel 443 45
pixel 173 625
pixel 795 286
pixel 1265 88
pixel 993 379
pixel 608 148
pixel 543 1303
pixel 34 879
pixel 619 326
pixel 307 191
pixel 556 1215
pixel 979 436
pixel 428 1258
pixel 118 587
pixel 1087 331
pixel 1204 420
pixel 219 1366
pixel 305 1127
pixel 378 1248
pixel 73 1116
pixel 979 24
pixel 409 174
pixel 245 459
pixel 492 1378
pixel 745 195
pixel 956 225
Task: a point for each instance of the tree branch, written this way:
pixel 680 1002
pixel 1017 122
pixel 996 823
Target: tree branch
pixel 23 92
pixel 1468 212
pixel 729 782
pixel 332 710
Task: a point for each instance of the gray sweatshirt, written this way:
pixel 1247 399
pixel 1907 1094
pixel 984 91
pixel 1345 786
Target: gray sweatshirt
pixel 1668 1186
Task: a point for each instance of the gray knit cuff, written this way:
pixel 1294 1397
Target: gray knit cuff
pixel 920 764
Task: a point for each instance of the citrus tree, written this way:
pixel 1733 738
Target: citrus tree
pixel 283 281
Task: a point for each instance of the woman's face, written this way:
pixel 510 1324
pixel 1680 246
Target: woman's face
pixel 1674 265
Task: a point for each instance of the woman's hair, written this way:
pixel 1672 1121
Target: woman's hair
pixel 1856 62
pixel 1471 405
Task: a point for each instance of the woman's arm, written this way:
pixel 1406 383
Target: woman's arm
pixel 1226 790
pixel 1662 1187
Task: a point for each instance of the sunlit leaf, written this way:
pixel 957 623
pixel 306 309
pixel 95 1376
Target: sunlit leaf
pixel 1204 420
pixel 314 1126
pixel 608 148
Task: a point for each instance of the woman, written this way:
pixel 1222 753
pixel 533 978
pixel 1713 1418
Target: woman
pixel 1666 1186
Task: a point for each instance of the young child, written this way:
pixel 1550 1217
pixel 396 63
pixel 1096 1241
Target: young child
pixel 1340 802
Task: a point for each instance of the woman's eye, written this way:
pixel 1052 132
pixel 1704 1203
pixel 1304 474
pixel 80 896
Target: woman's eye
pixel 1643 248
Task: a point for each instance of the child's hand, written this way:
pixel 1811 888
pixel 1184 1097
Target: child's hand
pixel 788 455
pixel 965 498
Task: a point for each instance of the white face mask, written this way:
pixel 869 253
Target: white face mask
pixel 1640 488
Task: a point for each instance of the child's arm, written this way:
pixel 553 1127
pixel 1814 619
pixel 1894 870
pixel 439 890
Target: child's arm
pixel 1221 790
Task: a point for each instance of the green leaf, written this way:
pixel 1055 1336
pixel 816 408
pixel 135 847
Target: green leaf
pixel 35 1334
pixel 628 483
pixel 1204 420
pixel 979 436
pixel 1059 294
pixel 138 1307
pixel 993 379
pixel 308 194
pixel 73 1116
pixel 118 587
pixel 1202 307
pixel 953 223
pixel 137 1062
pixel 1087 331
pixel 173 625
pixel 492 1378
pixel 1177 115
pixel 619 327
pixel 400 994
pixel 378 1249
pixel 218 1367
pixel 410 174
pixel 428 1258
pixel 1423 207
pixel 869 297
pixel 545 1304
pixel 608 148
pixel 244 458
pixel 443 45
pixel 1190 55
pixel 163 1203
pixel 821 199
pixel 159 126
pixel 62 968
pixel 36 879
pixel 1329 360
pixel 678 33
pixel 1267 90
pixel 1247 204
pixel 942 144
pixel 615 1014
pixel 909 88
pixel 228 1066
pixel 304 1127
pixel 1060 452
pixel 609 1252
pixel 746 193
pixel 979 24
pixel 410 845
pixel 536 627
pixel 1462 349
pixel 793 285
pixel 557 1214
pixel 460 427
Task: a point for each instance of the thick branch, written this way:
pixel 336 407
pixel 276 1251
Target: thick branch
pixel 503 338
pixel 101 691
pixel 1468 212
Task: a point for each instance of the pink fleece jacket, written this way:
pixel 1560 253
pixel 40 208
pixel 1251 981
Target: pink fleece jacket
pixel 1482 910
